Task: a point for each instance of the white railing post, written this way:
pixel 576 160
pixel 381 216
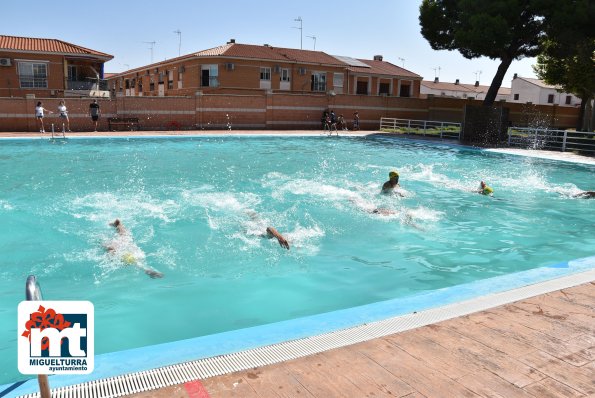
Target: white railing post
pixel 564 141
pixel 509 133
pixel 441 129
pixel 425 124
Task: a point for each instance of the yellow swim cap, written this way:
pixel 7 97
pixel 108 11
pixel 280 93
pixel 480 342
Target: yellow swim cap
pixel 128 259
pixel 393 174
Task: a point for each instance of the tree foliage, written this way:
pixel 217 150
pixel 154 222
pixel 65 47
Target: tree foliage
pixel 499 29
pixel 568 51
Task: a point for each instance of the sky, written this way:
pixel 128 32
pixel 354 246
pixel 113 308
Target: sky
pixel 353 28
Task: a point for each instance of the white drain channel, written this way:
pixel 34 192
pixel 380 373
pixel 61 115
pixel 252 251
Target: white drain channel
pixel 223 364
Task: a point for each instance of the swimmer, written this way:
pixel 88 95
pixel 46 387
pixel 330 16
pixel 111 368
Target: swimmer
pixel 585 195
pixel 128 258
pixel 484 189
pixel 391 184
pixel 273 233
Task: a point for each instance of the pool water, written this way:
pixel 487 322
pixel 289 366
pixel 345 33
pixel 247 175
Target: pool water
pixel 197 210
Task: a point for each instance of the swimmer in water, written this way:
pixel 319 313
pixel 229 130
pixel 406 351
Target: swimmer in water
pixel 585 195
pixel 391 184
pixel 273 233
pixel 128 258
pixel 484 189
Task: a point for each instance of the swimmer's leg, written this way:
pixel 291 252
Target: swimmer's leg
pixel 153 274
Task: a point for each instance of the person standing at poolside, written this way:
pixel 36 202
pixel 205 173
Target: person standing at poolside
pixel 94 112
pixel 355 121
pixel 64 114
pixel 39 110
pixel 392 183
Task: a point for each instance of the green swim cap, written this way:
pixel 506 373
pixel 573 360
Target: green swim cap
pixel 393 174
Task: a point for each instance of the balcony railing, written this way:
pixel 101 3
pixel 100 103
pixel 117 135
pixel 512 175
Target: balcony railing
pixel 86 85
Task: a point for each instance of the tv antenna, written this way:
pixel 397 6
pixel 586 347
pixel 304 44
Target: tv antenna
pixel 402 61
pixel 477 76
pixel 179 33
pixel 299 19
pixel 152 43
pixel 313 38
pixel 437 72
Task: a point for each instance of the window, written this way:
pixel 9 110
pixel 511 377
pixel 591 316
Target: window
pixel 152 84
pixel 170 84
pixel 33 75
pixel 318 81
pixel 338 83
pixel 405 89
pixel 284 75
pixel 72 73
pixel 516 97
pixel 550 98
pixel 362 88
pixel 568 100
pixel 384 88
pixel 209 76
pixel 180 79
pixel 265 73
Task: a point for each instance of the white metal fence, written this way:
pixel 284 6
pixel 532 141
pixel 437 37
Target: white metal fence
pixel 549 139
pixel 421 127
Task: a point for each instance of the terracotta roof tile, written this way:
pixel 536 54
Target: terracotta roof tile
pixel 32 44
pixel 383 68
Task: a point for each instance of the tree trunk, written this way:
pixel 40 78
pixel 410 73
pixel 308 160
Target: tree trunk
pixel 497 81
pixel 580 123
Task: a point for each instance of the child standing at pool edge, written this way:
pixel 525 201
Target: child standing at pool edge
pixel 39 109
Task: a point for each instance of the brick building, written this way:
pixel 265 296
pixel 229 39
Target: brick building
pixel 236 68
pixel 49 68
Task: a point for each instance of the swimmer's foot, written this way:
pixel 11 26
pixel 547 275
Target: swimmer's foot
pixel 153 274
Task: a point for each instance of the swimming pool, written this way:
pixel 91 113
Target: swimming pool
pixel 197 208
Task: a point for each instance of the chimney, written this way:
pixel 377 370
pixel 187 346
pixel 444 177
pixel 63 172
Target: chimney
pixel 231 41
pixel 435 80
pixel 476 83
pixel 515 76
pixel 377 57
pixel 457 81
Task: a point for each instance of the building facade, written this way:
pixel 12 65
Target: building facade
pixel 461 90
pixel 535 91
pixel 244 69
pixel 45 68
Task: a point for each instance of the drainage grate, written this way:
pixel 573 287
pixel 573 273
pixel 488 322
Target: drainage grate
pixel 203 368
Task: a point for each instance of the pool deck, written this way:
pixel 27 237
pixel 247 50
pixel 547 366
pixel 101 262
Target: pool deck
pixel 543 346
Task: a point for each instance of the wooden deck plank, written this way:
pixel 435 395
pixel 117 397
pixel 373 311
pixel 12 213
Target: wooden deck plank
pixel 570 315
pixel 369 375
pixel 545 325
pixel 321 381
pixel 578 378
pixel 412 371
pixel 509 343
pixel 482 356
pixel 488 384
pixel 229 385
pixel 422 348
pixel 574 351
pixel 550 388
pixel 274 382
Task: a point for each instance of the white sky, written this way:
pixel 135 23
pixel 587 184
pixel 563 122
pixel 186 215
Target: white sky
pixel 353 28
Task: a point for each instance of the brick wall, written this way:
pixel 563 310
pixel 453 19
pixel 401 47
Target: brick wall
pixel 273 110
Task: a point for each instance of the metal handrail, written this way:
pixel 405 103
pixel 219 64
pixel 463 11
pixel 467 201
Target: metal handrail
pixel 32 289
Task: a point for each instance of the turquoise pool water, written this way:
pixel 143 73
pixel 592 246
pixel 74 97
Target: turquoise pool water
pixel 196 209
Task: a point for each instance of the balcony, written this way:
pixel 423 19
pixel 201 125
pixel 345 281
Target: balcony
pixel 86 85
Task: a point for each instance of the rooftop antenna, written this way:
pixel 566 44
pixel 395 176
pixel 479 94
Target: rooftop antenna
pixel 152 43
pixel 402 60
pixel 127 66
pixel 437 72
pixel 179 33
pixel 313 38
pixel 477 75
pixel 299 19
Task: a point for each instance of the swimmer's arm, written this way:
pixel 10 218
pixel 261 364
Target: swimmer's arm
pixel 272 232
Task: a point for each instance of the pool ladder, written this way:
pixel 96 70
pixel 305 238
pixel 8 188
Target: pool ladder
pixel 33 293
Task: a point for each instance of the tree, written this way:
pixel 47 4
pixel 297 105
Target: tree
pixel 567 58
pixel 499 29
